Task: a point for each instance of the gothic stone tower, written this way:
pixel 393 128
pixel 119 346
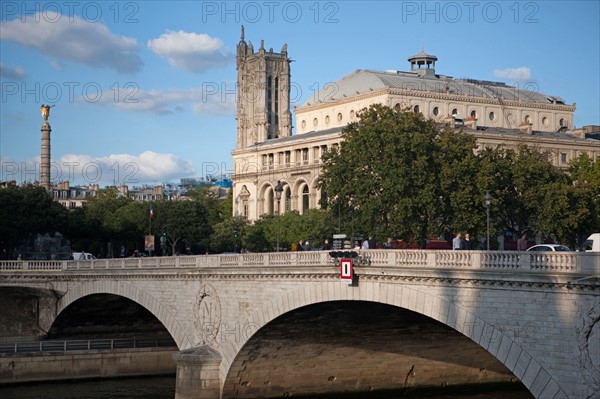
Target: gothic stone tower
pixel 263 96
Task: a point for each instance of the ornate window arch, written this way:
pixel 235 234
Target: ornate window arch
pixel 305 199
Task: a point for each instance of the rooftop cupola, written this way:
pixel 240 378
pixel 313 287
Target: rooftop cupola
pixel 423 64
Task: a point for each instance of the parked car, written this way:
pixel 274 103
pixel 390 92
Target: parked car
pixel 549 248
pixel 592 244
pixel 82 256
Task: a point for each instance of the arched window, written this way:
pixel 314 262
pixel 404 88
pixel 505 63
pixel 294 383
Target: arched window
pixel 305 199
pixel 288 199
pixel 270 201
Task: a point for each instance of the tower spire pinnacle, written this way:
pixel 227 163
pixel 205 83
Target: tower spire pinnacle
pixel 242 37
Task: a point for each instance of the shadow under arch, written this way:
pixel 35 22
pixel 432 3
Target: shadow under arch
pixel 477 329
pixel 134 294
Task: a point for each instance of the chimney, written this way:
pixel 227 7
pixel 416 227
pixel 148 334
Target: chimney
pixel 471 122
pixel 525 127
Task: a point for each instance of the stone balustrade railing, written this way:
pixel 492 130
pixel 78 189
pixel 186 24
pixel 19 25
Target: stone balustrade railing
pixel 497 261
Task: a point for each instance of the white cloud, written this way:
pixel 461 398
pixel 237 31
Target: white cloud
pixel 211 99
pixel 73 39
pixel 513 74
pixel 191 51
pixel 114 169
pixel 17 73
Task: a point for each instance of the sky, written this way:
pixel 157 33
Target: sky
pixel 143 92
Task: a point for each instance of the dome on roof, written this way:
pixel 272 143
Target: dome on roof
pixel 423 54
pixel 423 64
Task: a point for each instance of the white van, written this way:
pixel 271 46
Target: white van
pixel 592 244
pixel 83 256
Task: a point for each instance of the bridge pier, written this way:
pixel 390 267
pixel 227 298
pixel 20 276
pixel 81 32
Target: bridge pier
pixel 198 373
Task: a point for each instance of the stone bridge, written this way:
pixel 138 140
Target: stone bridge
pixel 282 324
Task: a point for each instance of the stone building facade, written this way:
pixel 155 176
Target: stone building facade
pixel 266 151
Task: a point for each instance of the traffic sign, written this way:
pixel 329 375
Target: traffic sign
pixel 346 269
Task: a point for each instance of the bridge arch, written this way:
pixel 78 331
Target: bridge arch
pixel 134 294
pixel 531 373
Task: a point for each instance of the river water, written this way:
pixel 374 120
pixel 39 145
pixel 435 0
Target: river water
pixel 163 387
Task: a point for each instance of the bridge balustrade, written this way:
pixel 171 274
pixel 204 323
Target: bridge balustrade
pixel 555 262
pixel 505 260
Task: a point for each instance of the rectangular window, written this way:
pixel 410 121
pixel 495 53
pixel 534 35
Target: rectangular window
pixel 316 154
pixel 563 157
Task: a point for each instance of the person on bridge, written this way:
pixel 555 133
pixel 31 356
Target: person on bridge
pixel 522 243
pixel 372 243
pixel 388 244
pixel 300 245
pixel 457 242
pixel 467 244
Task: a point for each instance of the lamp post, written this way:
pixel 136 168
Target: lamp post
pixel 488 202
pixel 278 190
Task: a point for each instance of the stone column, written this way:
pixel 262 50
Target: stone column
pixel 45 159
pixel 198 373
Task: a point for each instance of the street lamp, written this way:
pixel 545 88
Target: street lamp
pixel 488 202
pixel 278 190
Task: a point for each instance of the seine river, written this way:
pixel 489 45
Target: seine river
pixel 164 388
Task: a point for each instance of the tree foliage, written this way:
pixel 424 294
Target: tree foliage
pixel 585 173
pixel 26 212
pixel 398 174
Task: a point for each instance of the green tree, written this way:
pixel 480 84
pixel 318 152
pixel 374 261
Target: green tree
pixel 184 222
pixel 26 212
pixel 585 173
pixel 461 199
pixel 390 174
pixel 529 194
pixel 103 212
pixel 315 225
pixel 209 198
pixel 224 239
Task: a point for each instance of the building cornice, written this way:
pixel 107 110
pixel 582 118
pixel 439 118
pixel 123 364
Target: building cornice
pixel 403 276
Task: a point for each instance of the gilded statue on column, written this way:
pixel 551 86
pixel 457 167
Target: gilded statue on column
pixel 46 111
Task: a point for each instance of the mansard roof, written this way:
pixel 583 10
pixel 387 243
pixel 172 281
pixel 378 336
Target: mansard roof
pixel 362 81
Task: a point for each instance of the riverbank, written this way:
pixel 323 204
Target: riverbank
pixel 507 390
pixel 163 387
pixel 48 366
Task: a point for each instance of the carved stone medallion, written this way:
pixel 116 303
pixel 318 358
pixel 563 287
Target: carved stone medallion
pixel 589 347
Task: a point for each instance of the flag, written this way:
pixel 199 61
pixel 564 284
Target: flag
pixel 151 211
